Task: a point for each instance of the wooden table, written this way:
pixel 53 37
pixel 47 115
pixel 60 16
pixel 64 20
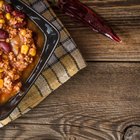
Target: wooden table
pixel 102 102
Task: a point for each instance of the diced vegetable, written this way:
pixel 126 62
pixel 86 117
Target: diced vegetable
pixel 15 49
pixel 1 83
pixel 4 56
pixel 1 70
pixel 8 16
pixel 23 32
pixel 32 52
pixel 0 75
pixel 24 49
pixel 1 3
pixel 2 21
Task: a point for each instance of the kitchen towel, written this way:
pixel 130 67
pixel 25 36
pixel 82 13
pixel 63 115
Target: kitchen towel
pixel 64 63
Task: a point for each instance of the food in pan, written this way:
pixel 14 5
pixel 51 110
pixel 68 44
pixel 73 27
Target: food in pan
pixel 17 50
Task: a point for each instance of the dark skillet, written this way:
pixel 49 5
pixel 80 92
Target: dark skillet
pixel 51 38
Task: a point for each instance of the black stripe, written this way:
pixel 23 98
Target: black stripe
pixel 30 107
pixel 56 75
pixel 10 117
pixel 20 112
pixel 61 27
pixel 38 90
pixel 46 81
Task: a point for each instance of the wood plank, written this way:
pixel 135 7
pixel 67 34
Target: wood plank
pixel 100 103
pixel 123 16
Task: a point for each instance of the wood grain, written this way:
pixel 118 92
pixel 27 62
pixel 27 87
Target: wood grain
pixel 132 133
pixel 124 18
pixel 99 103
pixel 102 102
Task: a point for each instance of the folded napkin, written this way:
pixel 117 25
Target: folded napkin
pixel 64 63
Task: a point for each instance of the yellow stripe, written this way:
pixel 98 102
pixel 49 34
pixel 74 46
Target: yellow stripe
pixel 59 51
pixel 78 58
pixel 52 79
pixel 63 36
pixel 60 72
pixel 47 15
pixel 43 85
pixel 69 65
pixel 6 121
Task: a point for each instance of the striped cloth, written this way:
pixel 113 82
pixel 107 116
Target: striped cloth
pixel 64 63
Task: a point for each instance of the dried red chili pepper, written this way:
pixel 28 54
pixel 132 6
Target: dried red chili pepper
pixel 78 10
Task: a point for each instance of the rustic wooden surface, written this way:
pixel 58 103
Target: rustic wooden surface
pixel 102 102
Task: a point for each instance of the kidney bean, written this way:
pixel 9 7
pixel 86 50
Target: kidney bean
pixel 8 8
pixel 5 46
pixel 3 34
pixel 19 25
pixel 18 13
